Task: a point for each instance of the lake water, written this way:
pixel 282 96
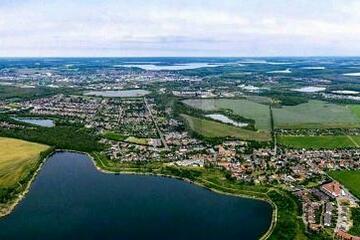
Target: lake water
pixel 346 92
pixel 357 74
pixel 225 119
pixel 313 68
pixel 36 121
pixel 119 93
pixel 309 89
pixel 154 67
pixel 281 71
pixel 70 199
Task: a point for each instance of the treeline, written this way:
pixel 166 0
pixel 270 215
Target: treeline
pixel 61 137
pixel 8 92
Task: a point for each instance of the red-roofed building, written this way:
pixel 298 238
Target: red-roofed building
pixel 345 236
pixel 333 189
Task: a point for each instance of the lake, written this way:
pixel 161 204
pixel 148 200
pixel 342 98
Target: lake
pixel 357 74
pixel 119 93
pixel 37 121
pixel 70 199
pixel 309 89
pixel 155 67
pixel 225 119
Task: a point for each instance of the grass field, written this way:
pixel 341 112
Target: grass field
pixel 17 157
pixel 114 136
pixel 355 109
pixel 319 142
pixel 136 140
pixel 211 129
pixel 350 179
pixel 118 137
pixel 315 114
pixel 242 107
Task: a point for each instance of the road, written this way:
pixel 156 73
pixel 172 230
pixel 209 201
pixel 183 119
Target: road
pixel 156 125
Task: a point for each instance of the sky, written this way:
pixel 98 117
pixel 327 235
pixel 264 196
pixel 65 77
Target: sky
pixel 125 28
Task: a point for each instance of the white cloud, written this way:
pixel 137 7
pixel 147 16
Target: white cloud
pixel 59 27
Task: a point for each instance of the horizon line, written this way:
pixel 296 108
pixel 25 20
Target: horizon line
pixel 260 56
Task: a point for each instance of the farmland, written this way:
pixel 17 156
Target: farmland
pixel 315 114
pixel 212 129
pixel 17 158
pixel 319 142
pixel 350 179
pixel 242 107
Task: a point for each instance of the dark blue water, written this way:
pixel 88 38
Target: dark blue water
pixel 70 199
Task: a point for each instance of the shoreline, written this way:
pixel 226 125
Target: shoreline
pixel 264 236
pixel 8 208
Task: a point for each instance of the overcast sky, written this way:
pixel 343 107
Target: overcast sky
pixel 179 27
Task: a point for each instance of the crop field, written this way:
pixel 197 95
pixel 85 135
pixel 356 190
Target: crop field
pixel 315 114
pixel 212 129
pixel 319 142
pixel 242 107
pixel 349 178
pixel 16 158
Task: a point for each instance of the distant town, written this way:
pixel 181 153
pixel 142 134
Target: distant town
pixel 298 135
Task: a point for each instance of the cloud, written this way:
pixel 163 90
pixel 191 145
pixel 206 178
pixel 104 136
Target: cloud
pixel 176 27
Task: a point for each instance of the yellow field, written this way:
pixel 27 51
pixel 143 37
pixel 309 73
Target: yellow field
pixel 17 157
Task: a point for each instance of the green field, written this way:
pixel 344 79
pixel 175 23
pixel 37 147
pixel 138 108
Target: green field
pixel 319 142
pixel 315 114
pixel 355 109
pixel 118 137
pixel 114 136
pixel 136 140
pixel 17 158
pixel 212 129
pixel 350 179
pixel 242 107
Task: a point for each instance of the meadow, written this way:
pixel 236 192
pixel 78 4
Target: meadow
pixel 319 142
pixel 114 136
pixel 315 114
pixel 17 159
pixel 349 178
pixel 242 107
pixel 136 140
pixel 213 129
pixel 355 109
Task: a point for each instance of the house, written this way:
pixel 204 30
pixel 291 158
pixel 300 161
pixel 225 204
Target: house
pixel 332 189
pixel 345 236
